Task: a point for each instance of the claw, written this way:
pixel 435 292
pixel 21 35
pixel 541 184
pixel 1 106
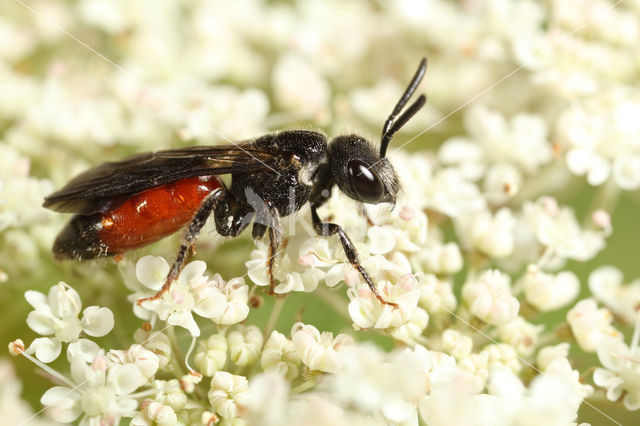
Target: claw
pixel 158 295
pixel 382 300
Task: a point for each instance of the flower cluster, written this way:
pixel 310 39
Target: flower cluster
pixel 488 260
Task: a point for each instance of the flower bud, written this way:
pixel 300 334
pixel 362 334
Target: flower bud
pixel 549 353
pixel 245 345
pixel 589 324
pixel 170 393
pixel 156 342
pixel 489 298
pixel 229 394
pixel 520 334
pixel 547 292
pixel 280 354
pixel 211 355
pixel 456 344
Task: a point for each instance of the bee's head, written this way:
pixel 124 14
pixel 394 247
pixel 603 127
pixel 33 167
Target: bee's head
pixel 359 171
pixel 364 174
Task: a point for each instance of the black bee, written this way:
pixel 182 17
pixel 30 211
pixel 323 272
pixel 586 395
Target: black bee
pixel 128 204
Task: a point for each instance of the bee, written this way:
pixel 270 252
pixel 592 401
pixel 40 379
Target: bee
pixel 128 204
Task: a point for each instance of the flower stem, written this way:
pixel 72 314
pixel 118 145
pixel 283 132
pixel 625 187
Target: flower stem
pixel 273 317
pixel 332 299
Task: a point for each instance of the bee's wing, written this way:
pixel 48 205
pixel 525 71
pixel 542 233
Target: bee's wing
pixel 99 188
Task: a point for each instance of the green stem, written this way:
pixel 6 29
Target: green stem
pixel 331 298
pixel 605 198
pixel 273 317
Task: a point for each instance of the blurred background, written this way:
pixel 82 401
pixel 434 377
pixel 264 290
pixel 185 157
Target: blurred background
pixel 82 82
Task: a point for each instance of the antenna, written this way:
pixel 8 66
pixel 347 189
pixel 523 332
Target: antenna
pixel 391 126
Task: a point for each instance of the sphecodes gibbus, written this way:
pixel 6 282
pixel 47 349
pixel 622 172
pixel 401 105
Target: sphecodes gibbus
pixel 131 203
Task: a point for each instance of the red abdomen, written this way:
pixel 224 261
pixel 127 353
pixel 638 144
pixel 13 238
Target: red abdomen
pixel 142 219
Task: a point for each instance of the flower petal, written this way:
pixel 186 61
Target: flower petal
pixel 125 379
pixel 40 322
pixel 609 352
pixel 63 403
pixel 210 302
pixel 83 349
pixel 46 349
pixel 152 271
pixel 97 321
pixel 36 299
pixel 193 270
pixel 64 301
pixel 184 319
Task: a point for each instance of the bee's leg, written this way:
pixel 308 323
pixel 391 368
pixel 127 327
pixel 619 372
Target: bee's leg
pixel 207 206
pixel 275 238
pixel 327 229
pixel 269 220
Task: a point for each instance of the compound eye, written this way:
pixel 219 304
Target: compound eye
pixel 365 182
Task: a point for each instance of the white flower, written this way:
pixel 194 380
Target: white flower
pixel 521 142
pixel 456 344
pixel 279 353
pixel 269 403
pixel 476 366
pixel 229 394
pixel 155 413
pixel 388 384
pixel 442 259
pixel 436 296
pixel 223 110
pixel 318 351
pixel 170 393
pixel 367 311
pixel 102 389
pixel 552 397
pixel 358 377
pixel 290 273
pixel 411 332
pixel 106 15
pixel 211 354
pixel 236 298
pixel 156 342
pixel 454 400
pixel 245 345
pixel 561 369
pixel 597 19
pixel 501 183
pixel 20 194
pixel 57 314
pixel 621 372
pixel 547 354
pixel 451 193
pixel 502 355
pixel 381 239
pixel 558 230
pixel 224 303
pixel 590 324
pixel 491 235
pixel 299 87
pixel 547 292
pixel 606 284
pixel 146 361
pixel 489 298
pixel 520 334
pixel 601 136
pixel 14 409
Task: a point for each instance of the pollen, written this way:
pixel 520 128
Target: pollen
pixel 107 223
